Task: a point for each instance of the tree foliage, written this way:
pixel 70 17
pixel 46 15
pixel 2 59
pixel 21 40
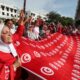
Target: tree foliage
pixel 66 21
pixel 56 17
pixel 53 16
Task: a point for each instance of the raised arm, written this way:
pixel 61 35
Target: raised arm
pixel 20 30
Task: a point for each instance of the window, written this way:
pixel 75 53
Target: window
pixel 11 15
pixel 26 13
pixel 15 10
pixel 7 14
pixel 7 8
pixel 32 14
pixel 3 13
pixel 11 10
pixel 2 7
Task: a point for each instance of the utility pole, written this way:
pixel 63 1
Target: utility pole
pixel 24 6
pixel 77 16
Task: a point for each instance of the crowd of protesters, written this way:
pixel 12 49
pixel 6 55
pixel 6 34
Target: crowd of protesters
pixel 40 29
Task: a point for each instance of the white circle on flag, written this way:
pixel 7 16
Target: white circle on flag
pixel 38 46
pixel 25 58
pixel 37 54
pixel 47 71
pixel 49 37
pixel 46 39
pixel 42 47
pixel 17 43
pixel 32 45
pixel 55 40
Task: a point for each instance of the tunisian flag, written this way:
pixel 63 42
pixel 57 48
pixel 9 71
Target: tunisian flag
pixel 55 58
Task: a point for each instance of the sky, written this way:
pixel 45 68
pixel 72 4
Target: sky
pixel 64 7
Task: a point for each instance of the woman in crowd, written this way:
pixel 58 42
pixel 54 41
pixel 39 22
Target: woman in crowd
pixel 9 60
pixel 30 33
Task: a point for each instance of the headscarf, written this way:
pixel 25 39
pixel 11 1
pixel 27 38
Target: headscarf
pixel 6 48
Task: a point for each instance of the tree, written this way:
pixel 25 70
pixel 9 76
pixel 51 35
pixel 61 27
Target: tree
pixel 66 21
pixel 53 16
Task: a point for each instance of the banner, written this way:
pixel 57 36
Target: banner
pixel 54 58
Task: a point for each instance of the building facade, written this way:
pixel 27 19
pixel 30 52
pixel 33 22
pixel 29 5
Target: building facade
pixel 8 11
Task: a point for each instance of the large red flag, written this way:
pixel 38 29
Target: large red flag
pixel 54 58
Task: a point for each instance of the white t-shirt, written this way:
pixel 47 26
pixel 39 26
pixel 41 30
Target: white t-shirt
pixel 36 31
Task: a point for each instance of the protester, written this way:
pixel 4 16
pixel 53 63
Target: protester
pixel 30 33
pixel 10 25
pixel 52 27
pixel 78 30
pixel 36 30
pixel 1 23
pixel 59 27
pixel 9 59
pixel 45 31
pixel 39 22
